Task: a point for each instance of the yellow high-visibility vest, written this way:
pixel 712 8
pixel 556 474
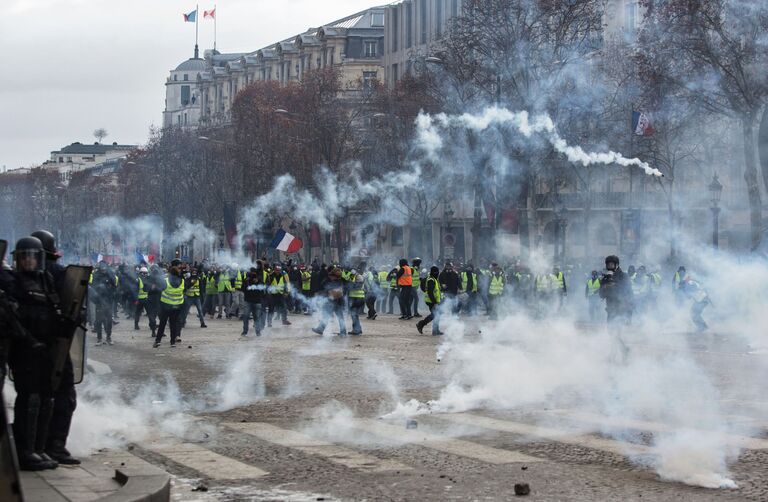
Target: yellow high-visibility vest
pixel 594 286
pixel 357 290
pixel 497 285
pixel 171 295
pixel 143 295
pixel 434 287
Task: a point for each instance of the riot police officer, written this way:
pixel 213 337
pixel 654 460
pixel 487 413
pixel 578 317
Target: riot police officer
pixel 65 396
pixel 103 289
pixel 39 314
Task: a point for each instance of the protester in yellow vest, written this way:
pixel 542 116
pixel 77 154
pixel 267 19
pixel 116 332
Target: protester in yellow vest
pixel 192 297
pixel 171 306
pixel 416 272
pixel 356 300
pixel 592 293
pixel 495 290
pixel 433 297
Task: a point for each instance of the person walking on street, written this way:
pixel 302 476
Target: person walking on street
pixel 592 293
pixel 333 291
pixel 172 304
pixel 254 289
pixel 433 298
pixel 356 300
pixel 405 285
pixel 278 288
pixel 371 291
pixel 415 289
pixel 192 297
pixel 103 288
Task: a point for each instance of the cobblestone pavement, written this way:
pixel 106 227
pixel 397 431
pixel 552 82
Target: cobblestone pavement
pixel 312 432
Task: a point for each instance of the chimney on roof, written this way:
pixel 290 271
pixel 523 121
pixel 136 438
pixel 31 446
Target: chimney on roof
pixel 197 52
pixel 114 143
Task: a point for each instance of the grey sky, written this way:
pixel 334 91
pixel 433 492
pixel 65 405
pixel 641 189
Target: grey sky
pixel 71 66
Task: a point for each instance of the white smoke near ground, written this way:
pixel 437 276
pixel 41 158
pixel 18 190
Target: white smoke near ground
pixel 112 415
pixel 109 417
pixel 670 380
pixel 241 384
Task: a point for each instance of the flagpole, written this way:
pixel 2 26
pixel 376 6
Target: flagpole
pixel 214 26
pixel 197 20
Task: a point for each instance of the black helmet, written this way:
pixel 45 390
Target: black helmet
pixel 175 262
pixel 48 240
pixel 29 248
pixel 612 259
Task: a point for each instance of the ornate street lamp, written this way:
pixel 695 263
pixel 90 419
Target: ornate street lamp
pixel 716 191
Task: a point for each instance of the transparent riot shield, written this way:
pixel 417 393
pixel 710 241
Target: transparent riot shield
pixel 77 353
pixel 73 298
pixel 10 485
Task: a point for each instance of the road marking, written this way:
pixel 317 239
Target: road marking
pixel 608 445
pixel 441 443
pixel 313 446
pixel 203 460
pixel 744 442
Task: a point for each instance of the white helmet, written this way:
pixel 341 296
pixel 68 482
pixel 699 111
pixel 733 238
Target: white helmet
pixel 143 270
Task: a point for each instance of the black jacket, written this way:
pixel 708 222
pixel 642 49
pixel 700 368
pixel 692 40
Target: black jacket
pixel 449 281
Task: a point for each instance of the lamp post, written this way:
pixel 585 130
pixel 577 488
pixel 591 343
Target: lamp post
pixel 716 191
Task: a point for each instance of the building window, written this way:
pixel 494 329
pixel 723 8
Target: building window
pixel 397 236
pixel 423 20
pixel 395 30
pixel 185 118
pixel 368 78
pixel 370 48
pixel 395 76
pixel 175 78
pixel 61 160
pixel 377 20
pixel 185 95
pixel 186 77
pixel 408 25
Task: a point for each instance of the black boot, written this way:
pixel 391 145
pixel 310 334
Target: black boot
pixel 58 452
pixel 26 413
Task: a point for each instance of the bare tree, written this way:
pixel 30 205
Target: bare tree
pixel 100 134
pixel 716 53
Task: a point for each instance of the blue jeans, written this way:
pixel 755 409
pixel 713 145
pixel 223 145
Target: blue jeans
pixel 355 309
pixel 252 310
pixel 334 308
pixel 433 317
pixel 188 302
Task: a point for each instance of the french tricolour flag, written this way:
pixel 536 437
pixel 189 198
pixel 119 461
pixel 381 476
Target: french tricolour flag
pixel 641 124
pixel 286 242
pixel 191 17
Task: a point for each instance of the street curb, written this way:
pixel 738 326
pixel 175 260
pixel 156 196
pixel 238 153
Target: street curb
pixel 141 485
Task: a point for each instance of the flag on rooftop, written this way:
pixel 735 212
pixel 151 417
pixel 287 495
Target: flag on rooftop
pixel 191 17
